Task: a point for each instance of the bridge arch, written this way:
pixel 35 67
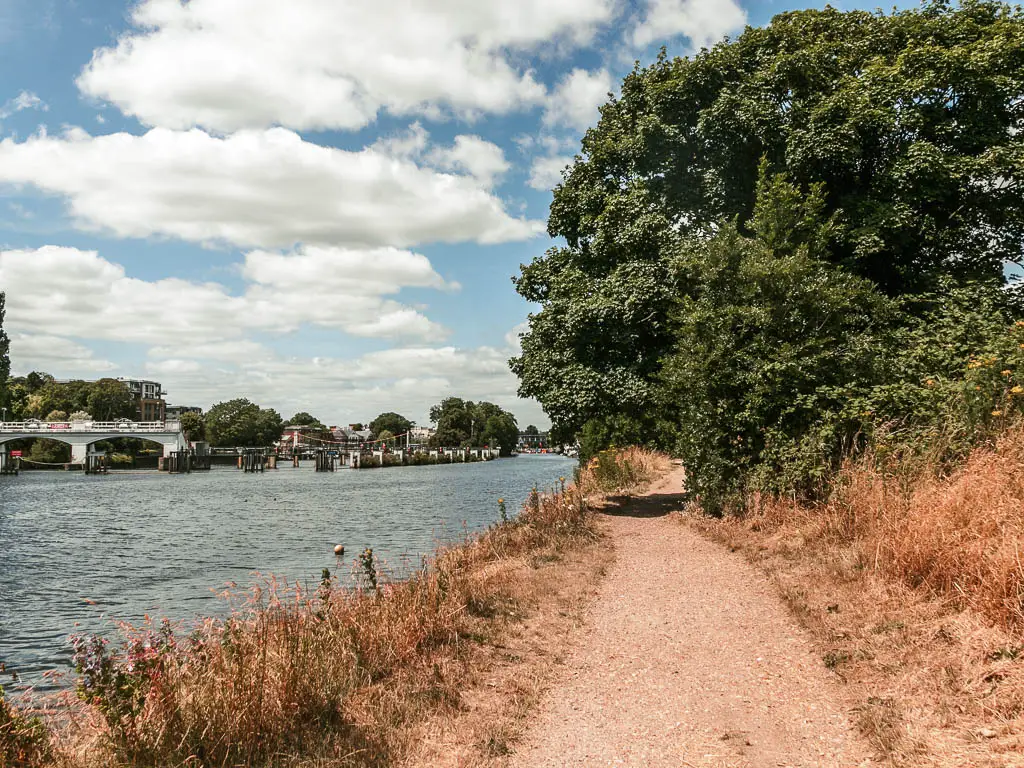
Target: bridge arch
pixel 81 436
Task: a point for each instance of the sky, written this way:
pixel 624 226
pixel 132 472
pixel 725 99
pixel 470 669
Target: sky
pixel 315 204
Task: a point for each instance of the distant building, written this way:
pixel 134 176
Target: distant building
pixel 149 399
pixel 300 437
pixel 533 442
pixel 421 435
pixel 347 438
pixel 175 412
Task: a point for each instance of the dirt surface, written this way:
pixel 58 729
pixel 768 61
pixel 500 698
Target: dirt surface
pixel 688 658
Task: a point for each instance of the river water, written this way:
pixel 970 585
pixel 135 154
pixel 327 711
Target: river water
pixel 79 553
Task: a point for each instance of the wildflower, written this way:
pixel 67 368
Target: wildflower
pixel 1019 324
pixel 1007 373
pixel 977 387
pixel 1018 390
pixel 930 383
pixel 997 413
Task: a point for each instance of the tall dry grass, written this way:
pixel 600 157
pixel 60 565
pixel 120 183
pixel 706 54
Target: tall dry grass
pixel 912 582
pixel 335 676
pixel 960 537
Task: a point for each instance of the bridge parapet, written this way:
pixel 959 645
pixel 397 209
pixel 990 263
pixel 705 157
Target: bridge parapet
pixel 46 427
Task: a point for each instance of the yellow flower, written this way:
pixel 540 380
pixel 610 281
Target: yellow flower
pixel 997 413
pixel 1019 324
pixel 1007 373
pixel 978 388
pixel 1018 390
pixel 930 383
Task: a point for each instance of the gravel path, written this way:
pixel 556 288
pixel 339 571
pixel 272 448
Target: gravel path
pixel 689 659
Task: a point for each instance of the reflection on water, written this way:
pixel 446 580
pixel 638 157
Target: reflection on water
pixel 78 553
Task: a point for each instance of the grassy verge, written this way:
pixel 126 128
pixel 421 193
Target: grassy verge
pixel 914 588
pixel 343 676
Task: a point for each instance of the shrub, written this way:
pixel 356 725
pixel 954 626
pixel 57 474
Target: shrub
pixel 24 740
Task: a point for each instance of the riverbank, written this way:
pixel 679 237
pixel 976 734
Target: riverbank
pixel 339 675
pixel 912 584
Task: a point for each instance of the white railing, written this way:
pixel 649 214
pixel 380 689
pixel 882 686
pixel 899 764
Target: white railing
pixel 44 427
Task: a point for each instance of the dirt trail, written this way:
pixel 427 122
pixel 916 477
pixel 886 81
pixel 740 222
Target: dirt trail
pixel 689 659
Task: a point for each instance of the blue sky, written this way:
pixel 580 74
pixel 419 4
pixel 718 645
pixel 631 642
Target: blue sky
pixel 316 204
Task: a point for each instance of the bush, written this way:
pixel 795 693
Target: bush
pixel 24 740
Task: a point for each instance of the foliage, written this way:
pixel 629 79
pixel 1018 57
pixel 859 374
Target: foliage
pixel 193 425
pixel 24 740
pixel 57 416
pixel 242 423
pixel 897 116
pixel 5 357
pixel 391 422
pixel 47 451
pixel 384 436
pixel 754 238
pixel 531 430
pixel 303 419
pixel 463 423
pixel 110 399
pixel 80 416
pixel 105 399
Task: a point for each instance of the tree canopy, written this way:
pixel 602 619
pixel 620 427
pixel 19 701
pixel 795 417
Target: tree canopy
pixel 303 419
pixel 193 425
pixel 391 422
pixel 750 233
pixel 5 357
pixel 468 424
pixel 242 423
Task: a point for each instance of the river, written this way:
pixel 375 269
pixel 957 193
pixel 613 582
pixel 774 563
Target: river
pixel 78 553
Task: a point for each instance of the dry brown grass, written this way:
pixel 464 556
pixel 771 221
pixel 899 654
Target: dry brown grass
pixel 349 676
pixel 913 587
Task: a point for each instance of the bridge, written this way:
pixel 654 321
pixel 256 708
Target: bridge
pixel 82 435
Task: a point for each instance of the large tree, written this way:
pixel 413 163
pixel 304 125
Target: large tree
pixel 465 423
pixel 395 423
pixel 5 358
pixel 242 423
pixel 910 127
pixel 109 399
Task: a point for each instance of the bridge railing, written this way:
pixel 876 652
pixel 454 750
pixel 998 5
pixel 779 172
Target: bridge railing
pixel 63 427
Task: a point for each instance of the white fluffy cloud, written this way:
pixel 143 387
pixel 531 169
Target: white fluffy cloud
pixel 68 292
pixel 575 100
pixel 32 352
pixel 310 64
pixel 407 380
pixel 481 159
pixel 546 171
pixel 267 189
pixel 704 22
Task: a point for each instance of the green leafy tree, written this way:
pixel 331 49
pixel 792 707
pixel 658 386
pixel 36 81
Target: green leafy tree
pixel 303 419
pixel 391 422
pixel 57 416
pixel 468 424
pixel 49 452
pixel 109 400
pixel 904 130
pixel 454 420
pixel 531 430
pixel 193 425
pixel 242 423
pixel 770 343
pixel 5 358
pixel 384 437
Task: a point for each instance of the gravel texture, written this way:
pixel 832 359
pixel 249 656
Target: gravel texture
pixel 689 658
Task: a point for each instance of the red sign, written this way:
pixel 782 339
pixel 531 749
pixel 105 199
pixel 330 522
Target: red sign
pixel 15 454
